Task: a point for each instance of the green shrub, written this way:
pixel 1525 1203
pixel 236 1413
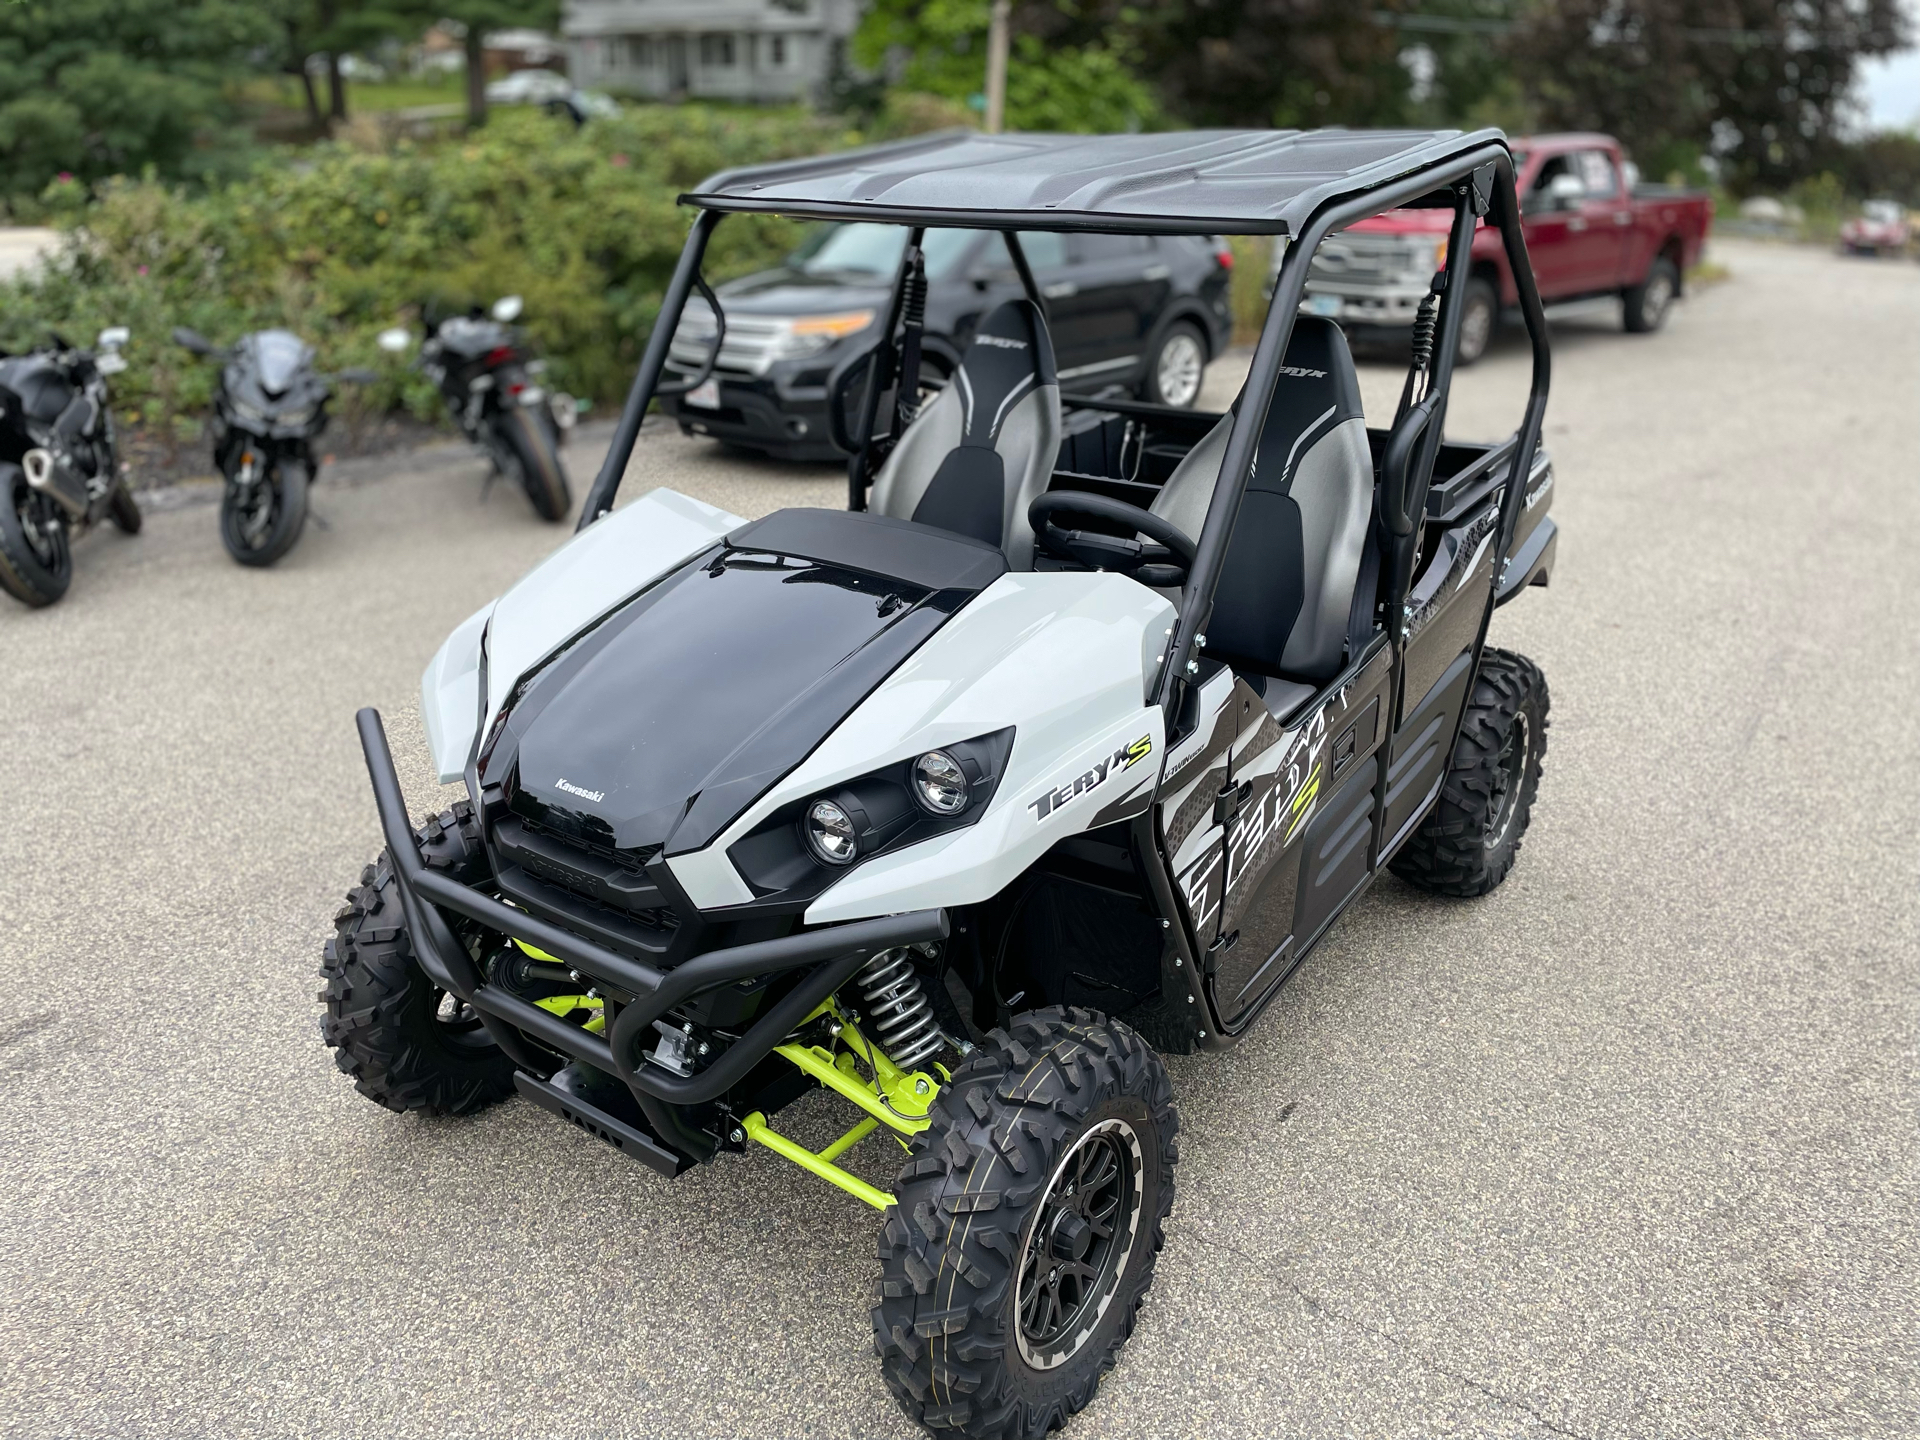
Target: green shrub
pixel 345 243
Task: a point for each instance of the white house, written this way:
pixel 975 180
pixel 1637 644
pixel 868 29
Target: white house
pixel 773 50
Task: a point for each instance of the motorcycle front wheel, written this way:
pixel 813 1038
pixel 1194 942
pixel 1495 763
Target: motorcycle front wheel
pixel 260 523
pixel 36 562
pixel 528 453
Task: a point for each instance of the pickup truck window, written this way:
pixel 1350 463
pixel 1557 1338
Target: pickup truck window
pixel 1595 167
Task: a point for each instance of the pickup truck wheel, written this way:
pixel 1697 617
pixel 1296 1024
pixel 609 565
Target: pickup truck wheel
pixel 1649 301
pixel 1478 322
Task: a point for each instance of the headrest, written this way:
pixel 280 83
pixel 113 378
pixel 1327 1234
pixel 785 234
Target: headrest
pixel 1316 390
pixel 1011 355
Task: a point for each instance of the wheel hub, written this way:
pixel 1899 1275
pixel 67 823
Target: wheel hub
pixel 1509 778
pixel 1077 1249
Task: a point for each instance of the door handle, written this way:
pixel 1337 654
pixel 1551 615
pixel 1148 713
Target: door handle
pixel 1156 272
pixel 1623 217
pixel 1576 224
pixel 1060 290
pixel 1226 805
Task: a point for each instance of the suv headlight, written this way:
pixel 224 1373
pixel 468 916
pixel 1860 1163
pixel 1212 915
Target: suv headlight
pixel 810 334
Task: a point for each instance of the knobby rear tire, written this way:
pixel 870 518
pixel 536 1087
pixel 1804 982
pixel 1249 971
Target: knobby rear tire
pixel 123 509
pixel 948 1327
pixel 1471 837
pixel 384 1017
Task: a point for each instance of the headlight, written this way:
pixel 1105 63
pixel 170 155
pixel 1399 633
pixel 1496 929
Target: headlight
pixel 294 417
pixel 810 334
pixel 830 833
pixel 940 784
pixel 248 412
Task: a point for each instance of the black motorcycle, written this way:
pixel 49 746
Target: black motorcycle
pixel 59 471
pixel 491 383
pixel 270 408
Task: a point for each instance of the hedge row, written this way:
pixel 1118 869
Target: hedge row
pixel 345 242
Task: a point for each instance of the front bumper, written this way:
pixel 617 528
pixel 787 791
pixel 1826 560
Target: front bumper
pixel 642 991
pixel 1388 305
pixel 790 424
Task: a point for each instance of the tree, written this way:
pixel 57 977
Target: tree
pixel 1260 62
pixel 102 87
pixel 337 28
pixel 1063 74
pixel 480 16
pixel 1763 83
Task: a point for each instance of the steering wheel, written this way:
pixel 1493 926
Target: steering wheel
pixel 1162 564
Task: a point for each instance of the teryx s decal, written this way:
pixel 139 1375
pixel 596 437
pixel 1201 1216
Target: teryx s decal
pixel 1124 758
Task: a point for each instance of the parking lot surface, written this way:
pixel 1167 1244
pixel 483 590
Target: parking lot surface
pixel 1626 1149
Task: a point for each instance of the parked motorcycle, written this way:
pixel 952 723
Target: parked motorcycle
pixel 491 383
pixel 270 408
pixel 59 470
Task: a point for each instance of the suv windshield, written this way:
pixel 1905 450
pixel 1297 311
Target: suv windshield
pixel 863 249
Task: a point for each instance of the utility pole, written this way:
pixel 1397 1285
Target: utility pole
pixel 997 67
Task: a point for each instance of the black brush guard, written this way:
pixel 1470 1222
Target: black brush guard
pixel 835 951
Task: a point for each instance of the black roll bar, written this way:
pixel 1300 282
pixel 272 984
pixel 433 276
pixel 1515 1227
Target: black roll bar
pixel 836 952
pixel 1196 599
pixel 620 449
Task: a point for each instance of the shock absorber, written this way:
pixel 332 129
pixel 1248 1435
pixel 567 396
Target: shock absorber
pixel 899 1009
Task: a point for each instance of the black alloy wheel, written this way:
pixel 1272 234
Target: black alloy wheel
pixel 1071 1264
pixel 1508 782
pixel 261 521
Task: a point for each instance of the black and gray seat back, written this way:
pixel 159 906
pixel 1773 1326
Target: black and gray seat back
pixel 1287 588
pixel 975 458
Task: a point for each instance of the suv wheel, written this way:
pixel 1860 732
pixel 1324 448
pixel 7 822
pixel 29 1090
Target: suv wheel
pixel 1178 365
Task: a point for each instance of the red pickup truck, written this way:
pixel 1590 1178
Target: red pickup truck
pixel 1591 230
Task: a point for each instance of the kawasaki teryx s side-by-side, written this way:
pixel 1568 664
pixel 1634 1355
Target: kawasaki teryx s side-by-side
pixel 1061 747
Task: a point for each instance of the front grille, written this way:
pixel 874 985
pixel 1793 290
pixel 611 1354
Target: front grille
pixel 750 347
pixel 582 884
pixel 1362 257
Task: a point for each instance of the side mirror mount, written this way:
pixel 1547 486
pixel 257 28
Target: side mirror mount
pixel 507 309
pixel 191 340
pixel 1565 191
pixel 395 341
pixel 113 337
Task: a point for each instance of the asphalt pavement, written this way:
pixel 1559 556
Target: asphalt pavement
pixel 1626 1149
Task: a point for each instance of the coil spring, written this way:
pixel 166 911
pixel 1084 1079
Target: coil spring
pixel 1423 332
pixel 899 1010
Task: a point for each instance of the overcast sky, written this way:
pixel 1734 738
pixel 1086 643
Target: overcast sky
pixel 1891 87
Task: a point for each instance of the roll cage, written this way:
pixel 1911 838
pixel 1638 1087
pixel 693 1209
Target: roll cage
pixel 1287 184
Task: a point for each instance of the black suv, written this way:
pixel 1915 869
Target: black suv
pixel 1135 313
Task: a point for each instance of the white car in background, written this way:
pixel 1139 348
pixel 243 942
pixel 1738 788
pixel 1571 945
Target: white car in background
pixel 529 87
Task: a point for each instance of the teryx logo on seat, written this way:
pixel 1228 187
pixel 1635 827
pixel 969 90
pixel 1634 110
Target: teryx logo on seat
pixel 1122 759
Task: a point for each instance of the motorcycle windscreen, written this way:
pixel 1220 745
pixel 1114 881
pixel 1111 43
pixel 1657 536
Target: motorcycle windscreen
pixel 277 357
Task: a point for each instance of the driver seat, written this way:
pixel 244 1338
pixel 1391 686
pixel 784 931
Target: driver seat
pixel 1289 588
pixel 974 459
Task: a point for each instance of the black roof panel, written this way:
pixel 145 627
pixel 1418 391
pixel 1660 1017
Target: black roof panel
pixel 1192 181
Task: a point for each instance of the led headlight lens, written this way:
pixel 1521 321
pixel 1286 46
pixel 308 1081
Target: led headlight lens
pixel 939 783
pixel 829 832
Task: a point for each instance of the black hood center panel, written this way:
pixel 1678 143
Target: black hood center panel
pixel 661 724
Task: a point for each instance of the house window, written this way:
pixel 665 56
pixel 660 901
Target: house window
pixel 777 50
pixel 716 51
pixel 639 51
